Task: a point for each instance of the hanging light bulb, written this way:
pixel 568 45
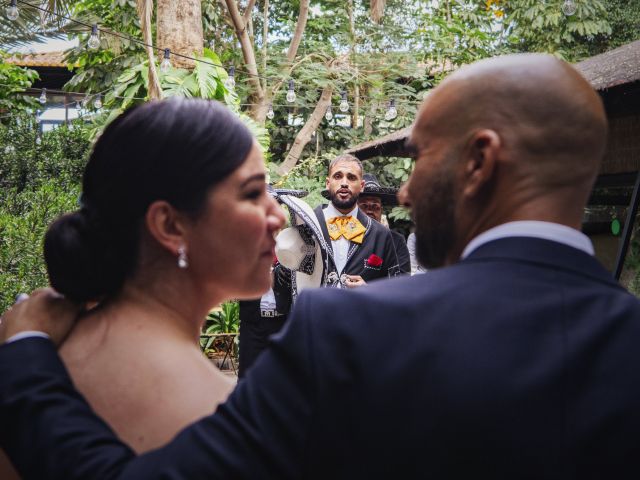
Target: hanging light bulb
pixel 344 104
pixel 569 7
pixel 212 44
pixel 391 111
pixel 94 40
pixel 330 134
pixel 270 112
pixel 291 95
pixel 97 103
pixel 165 66
pixel 43 96
pixel 230 82
pixel 12 10
pixel 328 114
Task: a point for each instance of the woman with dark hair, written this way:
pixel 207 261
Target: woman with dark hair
pixel 174 219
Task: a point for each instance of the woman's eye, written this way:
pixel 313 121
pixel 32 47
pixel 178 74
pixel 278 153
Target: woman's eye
pixel 253 194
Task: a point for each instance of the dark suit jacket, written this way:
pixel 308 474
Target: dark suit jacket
pixel 378 240
pixel 400 244
pixel 519 362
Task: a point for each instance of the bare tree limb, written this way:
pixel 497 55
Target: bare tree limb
pixel 304 135
pixel 247 49
pixel 300 26
pixel 145 7
pixel 265 35
pixel 247 12
pixel 377 10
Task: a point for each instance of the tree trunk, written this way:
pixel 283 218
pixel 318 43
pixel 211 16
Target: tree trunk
pixel 377 10
pixel 145 8
pixel 369 119
pixel 304 135
pixel 179 28
pixel 240 26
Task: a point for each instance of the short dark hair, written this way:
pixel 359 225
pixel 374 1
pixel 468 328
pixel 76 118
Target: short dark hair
pixel 173 150
pixel 346 157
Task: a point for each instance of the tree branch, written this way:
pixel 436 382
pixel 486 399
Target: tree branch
pixel 259 110
pixel 247 12
pixel 300 26
pixel 247 48
pixel 145 7
pixel 304 135
pixel 265 34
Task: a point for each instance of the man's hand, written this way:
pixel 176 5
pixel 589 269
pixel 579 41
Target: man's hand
pixel 354 281
pixel 44 311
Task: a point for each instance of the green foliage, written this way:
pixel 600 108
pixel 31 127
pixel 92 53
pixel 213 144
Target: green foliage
pixel 223 320
pixel 536 26
pixel 624 18
pixel 29 159
pixel 98 70
pixel 24 218
pixel 39 181
pixel 14 81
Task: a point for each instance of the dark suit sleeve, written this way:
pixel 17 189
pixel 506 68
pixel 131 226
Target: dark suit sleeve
pixel 400 244
pixel 46 427
pixel 393 267
pixel 50 432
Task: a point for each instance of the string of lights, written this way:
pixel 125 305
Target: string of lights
pixel 94 39
pixel 93 43
pixel 84 99
pixel 12 11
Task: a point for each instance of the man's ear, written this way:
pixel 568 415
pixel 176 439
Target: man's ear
pixel 166 225
pixel 481 158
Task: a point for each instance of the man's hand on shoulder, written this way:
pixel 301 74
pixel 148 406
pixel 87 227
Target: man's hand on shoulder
pixel 44 311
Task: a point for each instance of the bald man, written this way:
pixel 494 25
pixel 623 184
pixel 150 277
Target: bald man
pixel 515 357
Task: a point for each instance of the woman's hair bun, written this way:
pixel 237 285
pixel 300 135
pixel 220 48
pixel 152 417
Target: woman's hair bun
pixel 80 259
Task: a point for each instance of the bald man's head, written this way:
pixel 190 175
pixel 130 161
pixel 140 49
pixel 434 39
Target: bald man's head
pixel 541 107
pixel 518 137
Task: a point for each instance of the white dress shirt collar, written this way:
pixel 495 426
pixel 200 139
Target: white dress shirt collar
pixel 534 229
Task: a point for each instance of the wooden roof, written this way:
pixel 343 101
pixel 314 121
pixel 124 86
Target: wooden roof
pixel 391 145
pixel 45 59
pixel 612 68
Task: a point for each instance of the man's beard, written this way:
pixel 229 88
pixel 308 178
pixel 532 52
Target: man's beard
pixel 342 204
pixel 434 215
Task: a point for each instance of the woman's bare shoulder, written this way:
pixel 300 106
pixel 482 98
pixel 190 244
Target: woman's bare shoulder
pixel 146 387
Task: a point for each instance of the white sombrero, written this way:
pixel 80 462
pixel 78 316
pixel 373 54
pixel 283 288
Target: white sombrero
pixel 302 247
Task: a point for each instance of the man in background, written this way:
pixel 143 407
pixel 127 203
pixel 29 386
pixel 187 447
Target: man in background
pixel 372 200
pixel 360 249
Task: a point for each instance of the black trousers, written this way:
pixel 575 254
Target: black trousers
pixel 254 333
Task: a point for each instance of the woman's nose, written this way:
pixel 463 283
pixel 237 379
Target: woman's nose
pixel 275 215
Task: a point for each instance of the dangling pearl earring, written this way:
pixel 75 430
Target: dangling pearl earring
pixel 183 261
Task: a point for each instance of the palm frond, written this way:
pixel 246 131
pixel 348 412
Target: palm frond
pixel 38 21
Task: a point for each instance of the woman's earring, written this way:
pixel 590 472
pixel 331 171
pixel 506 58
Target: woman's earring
pixel 183 261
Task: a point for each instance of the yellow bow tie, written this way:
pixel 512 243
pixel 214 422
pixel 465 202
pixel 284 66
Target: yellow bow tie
pixel 349 227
